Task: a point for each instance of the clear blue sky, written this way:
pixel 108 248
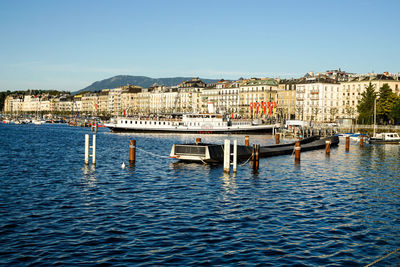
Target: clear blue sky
pixel 68 44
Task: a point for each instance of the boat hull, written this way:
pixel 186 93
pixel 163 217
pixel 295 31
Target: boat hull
pixel 250 129
pixel 379 141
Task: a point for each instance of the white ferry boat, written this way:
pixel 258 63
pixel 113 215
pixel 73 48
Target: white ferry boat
pixel 385 138
pixel 188 123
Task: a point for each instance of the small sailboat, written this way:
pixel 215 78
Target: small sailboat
pixel 383 138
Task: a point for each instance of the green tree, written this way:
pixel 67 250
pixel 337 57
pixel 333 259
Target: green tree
pixel 395 112
pixel 365 107
pixel 387 99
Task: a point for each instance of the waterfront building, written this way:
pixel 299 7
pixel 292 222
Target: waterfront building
pixel 169 98
pixel 144 101
pixel 286 99
pixel 102 102
pixel 76 104
pixel 31 103
pixel 157 99
pixel 89 104
pixel 189 96
pixel 210 96
pixel 352 89
pixel 130 100
pixel 45 103
pixel 63 104
pixel 317 99
pixel 229 101
pixel 254 94
pixel 13 104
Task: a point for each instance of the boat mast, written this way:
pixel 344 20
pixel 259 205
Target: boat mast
pixel 374 116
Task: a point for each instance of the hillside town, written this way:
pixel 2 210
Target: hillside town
pixel 319 97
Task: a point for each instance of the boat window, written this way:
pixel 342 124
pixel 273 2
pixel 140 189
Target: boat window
pixel 131 122
pixel 126 122
pixel 135 122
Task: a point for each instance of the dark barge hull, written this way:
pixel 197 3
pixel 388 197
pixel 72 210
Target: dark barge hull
pixel 216 152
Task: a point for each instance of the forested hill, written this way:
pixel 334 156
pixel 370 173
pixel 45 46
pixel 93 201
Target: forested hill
pixel 143 81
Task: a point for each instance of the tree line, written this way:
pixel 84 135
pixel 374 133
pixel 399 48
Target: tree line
pixel 385 102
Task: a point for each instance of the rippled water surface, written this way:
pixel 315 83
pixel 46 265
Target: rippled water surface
pixel 337 210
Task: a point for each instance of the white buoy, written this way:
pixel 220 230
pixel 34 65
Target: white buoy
pixel 123 165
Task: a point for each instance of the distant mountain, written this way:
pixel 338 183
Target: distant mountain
pixel 143 81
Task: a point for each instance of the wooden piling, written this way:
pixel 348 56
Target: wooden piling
pixel 256 157
pixel 297 149
pixel 132 151
pixel 327 147
pixel 246 140
pixel 347 143
pixel 277 138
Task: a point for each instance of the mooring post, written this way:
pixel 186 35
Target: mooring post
pixel 235 156
pixel 327 146
pixel 347 143
pixel 132 151
pixel 94 150
pixel 256 151
pixel 361 141
pixel 227 155
pixel 246 140
pixel 297 149
pixel 253 155
pixel 86 149
pixel 257 156
pixel 277 138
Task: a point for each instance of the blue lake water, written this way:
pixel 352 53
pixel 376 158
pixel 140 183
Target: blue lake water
pixel 337 210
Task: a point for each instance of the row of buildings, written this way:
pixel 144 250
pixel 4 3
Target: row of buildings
pixel 322 97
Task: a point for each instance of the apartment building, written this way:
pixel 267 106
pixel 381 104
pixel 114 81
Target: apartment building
pixel 189 96
pixel 253 96
pixel 286 99
pixel 317 99
pixel 129 99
